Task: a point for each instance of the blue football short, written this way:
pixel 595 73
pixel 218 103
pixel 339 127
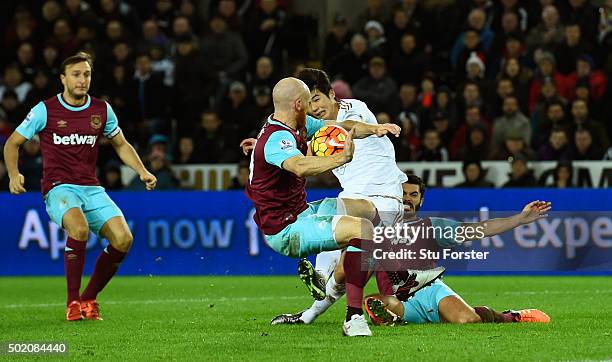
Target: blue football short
pixel 311 233
pixel 92 200
pixel 423 307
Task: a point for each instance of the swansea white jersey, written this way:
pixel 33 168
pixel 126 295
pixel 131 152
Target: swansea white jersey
pixel 373 170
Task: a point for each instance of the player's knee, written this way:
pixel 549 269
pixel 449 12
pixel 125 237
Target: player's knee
pixel 363 229
pixel 79 232
pixel 123 241
pixel 467 317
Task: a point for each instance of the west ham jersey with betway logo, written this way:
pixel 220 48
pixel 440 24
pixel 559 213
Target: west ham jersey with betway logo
pixel 69 139
pixel 279 195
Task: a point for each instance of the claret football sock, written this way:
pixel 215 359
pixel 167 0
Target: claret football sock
pixel 107 264
pixel 488 315
pixel 356 272
pixel 74 260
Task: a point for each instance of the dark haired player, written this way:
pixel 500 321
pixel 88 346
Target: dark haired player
pixel 69 125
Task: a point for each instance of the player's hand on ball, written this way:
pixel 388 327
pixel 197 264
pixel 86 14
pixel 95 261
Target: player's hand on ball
pixel 247 145
pixel 16 185
pixel 149 180
pixel 349 146
pixel 387 128
pixel 535 210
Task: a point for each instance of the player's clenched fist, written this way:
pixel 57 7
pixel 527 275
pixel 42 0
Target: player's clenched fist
pixel 16 184
pixel 149 180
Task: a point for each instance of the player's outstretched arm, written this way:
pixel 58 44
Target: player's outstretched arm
pixel 304 166
pixel 363 130
pixel 11 158
pixel 531 212
pixel 128 155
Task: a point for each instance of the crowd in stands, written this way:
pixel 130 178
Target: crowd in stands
pixel 467 80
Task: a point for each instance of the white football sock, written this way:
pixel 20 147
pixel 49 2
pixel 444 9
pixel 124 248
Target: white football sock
pixel 326 262
pixel 333 292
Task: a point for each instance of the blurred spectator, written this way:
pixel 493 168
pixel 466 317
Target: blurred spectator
pixel 64 38
pixel 13 81
pixel 520 175
pixel 408 143
pixel 548 33
pixel 472 117
pixel 123 12
pixel 342 89
pixel 264 32
pixel 432 148
pixel 41 90
pixel 121 92
pixel 471 44
pixel 521 80
pixel 161 63
pixel 557 147
pixel 25 61
pixel 158 164
pixel 408 104
pixel 582 13
pixel 194 84
pixel 403 22
pixel 15 112
pixel 562 176
pixel 504 89
pixel 545 71
pixel 513 120
pixel 377 43
pixel 375 10
pixel 554 119
pixel 238 111
pixel 383 118
pixel 513 146
pixel 111 179
pixel 152 36
pixel 217 144
pixel 584 147
pixel 337 40
pixel 582 119
pixel 351 65
pixel 408 63
pixel 242 176
pixel 378 89
pixel 573 46
pixel 265 74
pixel 480 35
pixel 442 125
pixel 474 176
pixel 188 9
pixel 228 10
pixel 509 27
pixel 186 152
pixel 595 79
pixel 476 145
pixel 50 11
pixel 151 95
pixel 263 105
pixel 470 97
pixel 51 64
pixel 509 6
pixel 224 50
pixel 444 103
pixel 31 164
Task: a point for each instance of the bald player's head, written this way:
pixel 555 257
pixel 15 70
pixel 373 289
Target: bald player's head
pixel 290 95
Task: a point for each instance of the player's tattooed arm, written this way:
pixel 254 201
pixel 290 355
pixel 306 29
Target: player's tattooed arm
pixel 11 157
pixel 531 212
pixel 363 130
pixel 128 155
pixel 304 166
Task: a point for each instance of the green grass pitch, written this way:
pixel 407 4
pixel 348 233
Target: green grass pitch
pixel 221 318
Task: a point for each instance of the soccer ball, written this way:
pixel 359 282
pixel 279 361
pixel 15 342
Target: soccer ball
pixel 328 140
